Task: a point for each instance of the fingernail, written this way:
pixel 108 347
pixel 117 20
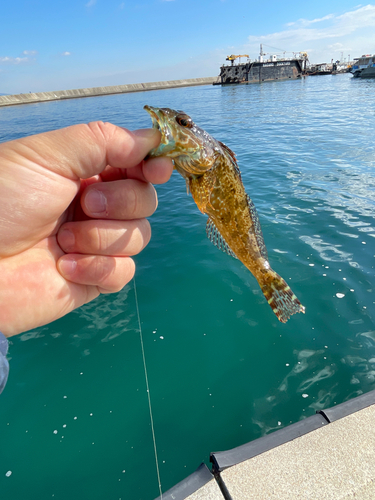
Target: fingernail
pixel 96 202
pixel 67 266
pixel 67 240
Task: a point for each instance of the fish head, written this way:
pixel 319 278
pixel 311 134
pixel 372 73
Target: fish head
pixel 191 148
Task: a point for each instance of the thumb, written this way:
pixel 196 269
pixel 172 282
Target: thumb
pixel 82 151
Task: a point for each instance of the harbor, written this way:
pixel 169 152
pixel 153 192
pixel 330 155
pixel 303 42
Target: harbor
pixel 273 68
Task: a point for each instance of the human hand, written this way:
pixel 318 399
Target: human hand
pixel 72 212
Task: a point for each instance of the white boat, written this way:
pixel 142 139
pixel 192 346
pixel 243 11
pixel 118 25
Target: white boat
pixel 363 67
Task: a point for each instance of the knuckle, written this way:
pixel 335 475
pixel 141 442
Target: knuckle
pixel 127 200
pixel 132 200
pixel 103 267
pixel 100 129
pixel 140 199
pixel 98 238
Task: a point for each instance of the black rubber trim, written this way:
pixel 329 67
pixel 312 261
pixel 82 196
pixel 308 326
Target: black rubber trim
pixel 348 407
pixel 189 485
pixel 223 459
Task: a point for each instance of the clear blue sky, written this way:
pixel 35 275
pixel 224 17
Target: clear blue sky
pixel 58 45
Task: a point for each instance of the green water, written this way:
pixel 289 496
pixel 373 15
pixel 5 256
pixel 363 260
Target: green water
pixel 74 418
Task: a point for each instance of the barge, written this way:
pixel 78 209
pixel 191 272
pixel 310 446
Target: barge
pixel 263 70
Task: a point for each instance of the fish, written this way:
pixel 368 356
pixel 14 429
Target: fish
pixel 213 178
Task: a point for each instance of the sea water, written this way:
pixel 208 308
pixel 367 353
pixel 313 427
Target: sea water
pixel 74 417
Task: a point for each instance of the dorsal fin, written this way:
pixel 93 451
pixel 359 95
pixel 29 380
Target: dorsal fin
pixel 257 228
pixel 217 239
pixel 228 150
pixel 232 157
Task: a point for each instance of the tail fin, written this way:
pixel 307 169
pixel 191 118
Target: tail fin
pixel 281 298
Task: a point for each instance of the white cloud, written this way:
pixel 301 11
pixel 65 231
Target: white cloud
pixel 66 54
pixel 364 16
pixel 27 56
pixel 323 38
pixel 14 60
pixel 306 22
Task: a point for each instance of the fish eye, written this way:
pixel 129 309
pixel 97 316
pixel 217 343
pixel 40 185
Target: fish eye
pixel 184 120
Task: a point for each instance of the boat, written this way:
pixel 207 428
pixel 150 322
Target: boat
pixel 363 67
pixel 262 70
pixel 320 69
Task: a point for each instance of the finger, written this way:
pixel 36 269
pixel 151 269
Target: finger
pixel 108 274
pixel 102 237
pixel 154 170
pixel 82 151
pixel 123 199
pixel 158 170
pixel 113 174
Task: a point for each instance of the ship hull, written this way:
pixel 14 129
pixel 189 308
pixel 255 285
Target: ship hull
pixel 364 68
pixel 258 72
pixel 368 72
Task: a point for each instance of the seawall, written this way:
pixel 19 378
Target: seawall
pixel 11 100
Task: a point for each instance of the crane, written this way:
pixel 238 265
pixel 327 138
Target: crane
pixel 232 58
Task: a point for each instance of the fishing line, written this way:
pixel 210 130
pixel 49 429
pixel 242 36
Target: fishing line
pixel 148 391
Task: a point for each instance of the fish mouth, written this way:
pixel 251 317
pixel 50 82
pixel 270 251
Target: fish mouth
pixel 160 122
pixel 154 116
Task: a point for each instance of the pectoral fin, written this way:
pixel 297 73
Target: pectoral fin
pixel 201 188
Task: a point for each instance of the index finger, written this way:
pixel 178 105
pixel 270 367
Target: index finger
pixel 154 170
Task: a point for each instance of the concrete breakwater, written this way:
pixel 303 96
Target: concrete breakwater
pixel 32 97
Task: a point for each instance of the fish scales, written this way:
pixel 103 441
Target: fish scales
pixel 229 211
pixel 212 176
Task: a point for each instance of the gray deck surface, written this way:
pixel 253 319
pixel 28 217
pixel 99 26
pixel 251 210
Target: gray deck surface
pixel 334 462
pixel 209 491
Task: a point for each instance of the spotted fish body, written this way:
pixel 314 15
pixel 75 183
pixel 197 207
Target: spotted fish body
pixel 214 180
